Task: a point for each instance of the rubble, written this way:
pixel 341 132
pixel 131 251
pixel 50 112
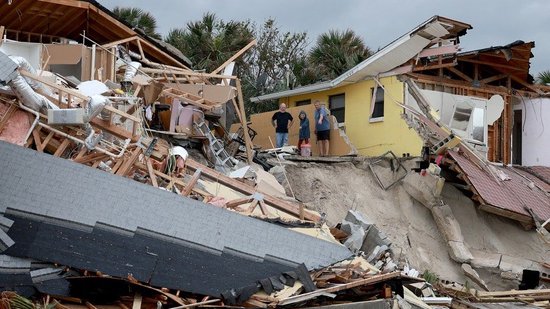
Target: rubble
pixel 122 188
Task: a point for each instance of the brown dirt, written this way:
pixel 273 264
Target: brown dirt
pixel 335 188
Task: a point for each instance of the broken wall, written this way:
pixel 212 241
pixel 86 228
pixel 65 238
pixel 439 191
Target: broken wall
pixel 535 136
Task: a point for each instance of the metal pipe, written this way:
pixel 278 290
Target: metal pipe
pixel 92 73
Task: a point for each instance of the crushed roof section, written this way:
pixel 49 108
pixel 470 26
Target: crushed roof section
pixel 512 195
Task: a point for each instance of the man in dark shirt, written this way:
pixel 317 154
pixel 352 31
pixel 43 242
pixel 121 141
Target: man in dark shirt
pixel 282 121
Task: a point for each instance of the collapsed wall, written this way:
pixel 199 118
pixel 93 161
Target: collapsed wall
pixel 500 246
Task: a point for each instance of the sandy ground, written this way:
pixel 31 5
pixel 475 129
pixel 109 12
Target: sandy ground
pixel 336 188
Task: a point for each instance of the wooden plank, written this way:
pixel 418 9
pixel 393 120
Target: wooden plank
pixel 237 202
pixel 143 167
pixel 340 287
pixel 152 173
pixel 62 147
pixel 50 84
pixel 137 301
pixel 11 109
pixel 512 293
pixel 37 140
pixel 90 158
pixel 235 56
pixel 191 184
pixel 493 78
pixel 236 185
pixel 129 162
pixel 211 301
pixel 122 41
pixel 185 97
pixel 460 74
pixel 113 129
pixel 242 114
pixel 46 141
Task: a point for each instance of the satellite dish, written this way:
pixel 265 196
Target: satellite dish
pixel 495 106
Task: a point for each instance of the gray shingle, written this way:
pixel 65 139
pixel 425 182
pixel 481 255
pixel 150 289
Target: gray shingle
pixel 51 185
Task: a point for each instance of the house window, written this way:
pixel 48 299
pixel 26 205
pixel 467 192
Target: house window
pixel 337 106
pixel 377 111
pixel 303 102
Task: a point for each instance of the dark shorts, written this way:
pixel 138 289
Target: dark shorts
pixel 323 135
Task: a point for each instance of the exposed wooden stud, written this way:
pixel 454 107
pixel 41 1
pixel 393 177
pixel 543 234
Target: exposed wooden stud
pixel 129 162
pixel 248 141
pixel 152 173
pixel 192 182
pixel 62 147
pixel 235 56
pixel 241 187
pixel 460 74
pixel 239 201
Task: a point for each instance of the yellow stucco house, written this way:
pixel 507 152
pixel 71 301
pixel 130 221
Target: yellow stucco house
pixel 363 99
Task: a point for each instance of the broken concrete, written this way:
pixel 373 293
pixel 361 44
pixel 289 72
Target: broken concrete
pixel 472 274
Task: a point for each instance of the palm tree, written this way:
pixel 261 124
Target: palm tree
pixel 544 77
pixel 138 18
pixel 210 41
pixel 337 51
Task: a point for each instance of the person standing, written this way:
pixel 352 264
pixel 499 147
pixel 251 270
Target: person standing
pixel 303 136
pixel 282 121
pixel 322 128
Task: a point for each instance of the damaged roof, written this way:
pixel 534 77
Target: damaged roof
pixel 392 55
pixel 508 197
pixel 64 212
pixel 71 18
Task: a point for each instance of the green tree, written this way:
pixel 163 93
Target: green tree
pixel 210 41
pixel 138 18
pixel 544 77
pixel 273 65
pixel 336 52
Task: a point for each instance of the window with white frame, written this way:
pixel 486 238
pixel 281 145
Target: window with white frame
pixel 377 107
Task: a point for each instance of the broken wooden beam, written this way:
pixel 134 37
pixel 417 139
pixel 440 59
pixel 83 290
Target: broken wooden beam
pixel 191 184
pixel 236 185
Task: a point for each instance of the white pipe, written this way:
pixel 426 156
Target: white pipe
pixel 92 74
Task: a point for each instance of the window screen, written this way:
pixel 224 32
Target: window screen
pixel 337 106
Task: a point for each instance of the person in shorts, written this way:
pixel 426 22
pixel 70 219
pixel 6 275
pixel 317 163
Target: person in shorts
pixel 322 128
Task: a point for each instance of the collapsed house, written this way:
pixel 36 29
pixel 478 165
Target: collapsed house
pixel 107 203
pixel 106 195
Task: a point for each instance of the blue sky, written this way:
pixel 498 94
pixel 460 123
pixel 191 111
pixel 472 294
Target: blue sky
pixel 495 22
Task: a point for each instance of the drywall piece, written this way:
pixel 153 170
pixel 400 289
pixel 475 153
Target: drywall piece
pixel 268 184
pixel 68 116
pixel 7 68
pixel 535 149
pixel 495 106
pixel 217 94
pixel 92 87
pixel 30 51
pixel 340 144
